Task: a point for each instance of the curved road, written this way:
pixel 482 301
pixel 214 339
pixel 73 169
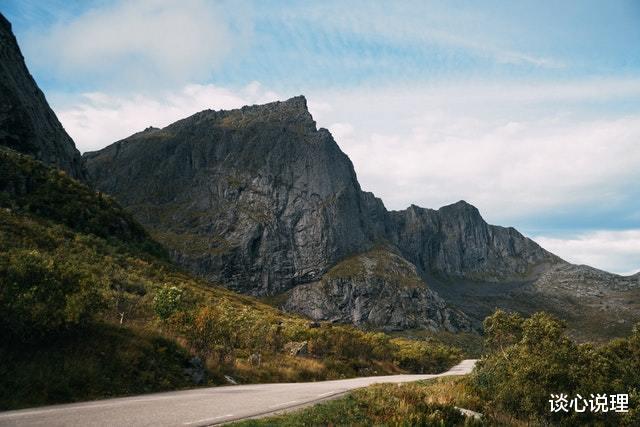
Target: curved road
pixel 203 406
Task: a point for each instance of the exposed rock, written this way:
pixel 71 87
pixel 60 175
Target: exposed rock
pixel 596 303
pixel 261 200
pixel 27 123
pixel 455 242
pixel 295 348
pixel 583 281
pixel 256 198
pixel 378 289
pixel 231 380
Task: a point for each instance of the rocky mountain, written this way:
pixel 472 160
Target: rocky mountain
pixel 27 123
pixel 256 198
pixel 454 242
pixel 261 200
pixel 377 289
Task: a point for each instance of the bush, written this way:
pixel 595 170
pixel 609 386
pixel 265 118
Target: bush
pixel 40 295
pixel 424 357
pixel 167 301
pixel 529 359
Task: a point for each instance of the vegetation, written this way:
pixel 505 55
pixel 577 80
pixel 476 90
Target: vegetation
pixel 96 361
pixel 413 404
pixel 529 359
pixel 40 294
pixel 379 262
pixel 470 343
pixel 526 360
pixel 29 187
pixel 91 307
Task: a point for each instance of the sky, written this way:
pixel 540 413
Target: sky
pixel 529 110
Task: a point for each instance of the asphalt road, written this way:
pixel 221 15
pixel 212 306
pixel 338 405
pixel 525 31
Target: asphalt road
pixel 203 406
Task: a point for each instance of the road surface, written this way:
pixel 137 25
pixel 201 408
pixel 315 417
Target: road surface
pixel 204 406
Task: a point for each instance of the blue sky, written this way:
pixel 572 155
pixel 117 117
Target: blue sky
pixel 528 110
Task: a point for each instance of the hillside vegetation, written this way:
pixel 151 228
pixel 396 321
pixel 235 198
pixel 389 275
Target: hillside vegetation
pixel 526 361
pixel 91 307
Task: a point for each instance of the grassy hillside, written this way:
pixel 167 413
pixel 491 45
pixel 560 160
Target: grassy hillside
pixel 91 307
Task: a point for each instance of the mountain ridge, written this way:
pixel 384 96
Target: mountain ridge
pixel 266 159
pixel 260 199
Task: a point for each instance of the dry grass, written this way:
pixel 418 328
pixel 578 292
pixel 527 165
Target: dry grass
pixel 451 391
pixel 385 405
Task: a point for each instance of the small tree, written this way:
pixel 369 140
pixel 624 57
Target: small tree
pixel 502 330
pixel 168 300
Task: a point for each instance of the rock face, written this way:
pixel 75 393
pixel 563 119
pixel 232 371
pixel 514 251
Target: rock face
pixel 27 123
pixel 378 289
pixel 262 201
pixel 455 242
pixel 256 198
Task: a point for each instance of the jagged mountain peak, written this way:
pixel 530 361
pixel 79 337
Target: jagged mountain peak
pixel 291 115
pixel 27 123
pixel 5 24
pixel 270 199
pixel 460 206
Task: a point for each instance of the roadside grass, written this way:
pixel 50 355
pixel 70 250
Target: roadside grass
pixel 424 403
pixel 99 361
pixel 285 368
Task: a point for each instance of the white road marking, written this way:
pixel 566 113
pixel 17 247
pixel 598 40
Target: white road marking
pixel 285 403
pixel 82 406
pixel 327 393
pixel 204 420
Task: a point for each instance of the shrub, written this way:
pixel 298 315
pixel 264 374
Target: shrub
pixel 424 357
pixel 529 359
pixel 40 295
pixel 167 301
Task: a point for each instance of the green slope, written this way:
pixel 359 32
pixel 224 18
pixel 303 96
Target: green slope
pixel 91 307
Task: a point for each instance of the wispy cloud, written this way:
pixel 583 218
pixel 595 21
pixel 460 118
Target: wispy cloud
pixel 417 23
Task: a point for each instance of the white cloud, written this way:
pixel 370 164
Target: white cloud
pixel 614 251
pixel 142 43
pixel 514 150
